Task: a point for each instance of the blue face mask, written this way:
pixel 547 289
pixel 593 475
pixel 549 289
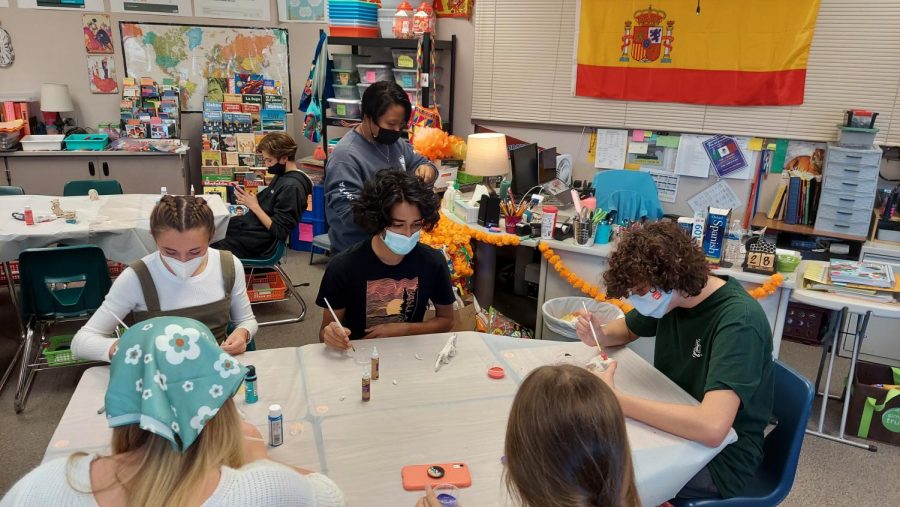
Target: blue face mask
pixel 654 303
pixel 400 244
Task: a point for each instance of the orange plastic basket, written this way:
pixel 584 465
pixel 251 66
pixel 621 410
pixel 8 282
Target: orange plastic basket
pixel 276 290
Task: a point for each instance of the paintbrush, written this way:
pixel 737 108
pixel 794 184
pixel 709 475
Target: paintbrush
pixel 333 316
pixel 594 332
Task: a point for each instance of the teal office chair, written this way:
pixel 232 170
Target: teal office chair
pixel 59 284
pixel 775 476
pixel 274 262
pixel 81 187
pixel 9 190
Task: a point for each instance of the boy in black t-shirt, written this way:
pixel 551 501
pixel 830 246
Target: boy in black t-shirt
pixel 380 287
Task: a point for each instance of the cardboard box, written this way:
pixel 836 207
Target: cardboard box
pixel 464 320
pixel 879 406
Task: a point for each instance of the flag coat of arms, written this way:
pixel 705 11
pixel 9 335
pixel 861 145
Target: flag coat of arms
pixel 747 52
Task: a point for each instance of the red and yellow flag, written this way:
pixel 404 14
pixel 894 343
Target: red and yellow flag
pixel 733 52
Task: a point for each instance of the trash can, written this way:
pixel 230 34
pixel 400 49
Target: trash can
pixel 564 330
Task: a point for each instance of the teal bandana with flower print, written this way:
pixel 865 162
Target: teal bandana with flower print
pixel 170 377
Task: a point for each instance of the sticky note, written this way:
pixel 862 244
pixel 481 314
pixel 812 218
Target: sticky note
pixel 778 158
pixel 668 141
pixel 755 144
pixel 648 133
pixel 637 136
pixel 638 148
pixel 771 146
pixel 632 167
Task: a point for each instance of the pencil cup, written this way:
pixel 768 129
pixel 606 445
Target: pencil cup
pixel 511 223
pixel 604 231
pixel 584 231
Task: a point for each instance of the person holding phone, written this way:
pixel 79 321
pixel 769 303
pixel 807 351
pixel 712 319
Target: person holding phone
pixel 712 339
pixel 381 286
pixel 373 145
pixel 276 210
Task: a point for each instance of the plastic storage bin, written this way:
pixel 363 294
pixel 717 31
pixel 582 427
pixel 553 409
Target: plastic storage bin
pixel 373 73
pixel 9 140
pixel 267 286
pixel 345 77
pixel 42 143
pixel 404 58
pixel 346 109
pixel 346 92
pixel 852 136
pixel 386 22
pixel 348 60
pixel 59 352
pixel 89 142
pixel 307 229
pixel 405 78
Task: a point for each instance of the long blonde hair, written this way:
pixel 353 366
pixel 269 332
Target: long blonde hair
pixel 166 477
pixel 566 444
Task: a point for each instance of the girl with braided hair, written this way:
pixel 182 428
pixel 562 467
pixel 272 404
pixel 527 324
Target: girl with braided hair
pixel 184 278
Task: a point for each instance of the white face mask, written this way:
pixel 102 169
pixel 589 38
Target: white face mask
pixel 654 303
pixel 183 269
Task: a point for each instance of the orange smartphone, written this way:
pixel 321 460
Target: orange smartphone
pixel 415 477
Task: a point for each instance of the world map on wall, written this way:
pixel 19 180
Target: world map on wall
pixel 191 55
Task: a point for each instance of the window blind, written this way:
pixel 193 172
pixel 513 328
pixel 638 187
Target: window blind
pixel 525 56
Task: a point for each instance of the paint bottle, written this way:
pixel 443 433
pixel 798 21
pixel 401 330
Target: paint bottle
pixel 276 426
pixel 29 216
pixel 192 190
pixel 250 393
pixel 163 191
pixel 375 360
pixel 366 386
pixel 548 221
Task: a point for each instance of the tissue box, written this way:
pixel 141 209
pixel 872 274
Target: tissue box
pixel 466 211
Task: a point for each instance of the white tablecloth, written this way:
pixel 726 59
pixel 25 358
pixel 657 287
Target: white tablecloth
pixel 456 414
pixel 119 224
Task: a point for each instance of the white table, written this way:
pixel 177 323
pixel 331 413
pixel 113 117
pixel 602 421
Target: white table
pixel 457 414
pixel 846 305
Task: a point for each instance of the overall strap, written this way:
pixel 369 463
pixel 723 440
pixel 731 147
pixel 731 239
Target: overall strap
pixel 151 298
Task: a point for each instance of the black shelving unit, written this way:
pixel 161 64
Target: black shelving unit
pixel 357 42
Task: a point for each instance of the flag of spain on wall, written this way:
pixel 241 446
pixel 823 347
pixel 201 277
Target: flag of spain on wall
pixel 733 52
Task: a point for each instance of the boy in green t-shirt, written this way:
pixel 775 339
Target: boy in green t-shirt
pixel 712 339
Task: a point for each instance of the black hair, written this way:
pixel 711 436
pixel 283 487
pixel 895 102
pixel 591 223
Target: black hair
pixel 380 96
pixel 372 210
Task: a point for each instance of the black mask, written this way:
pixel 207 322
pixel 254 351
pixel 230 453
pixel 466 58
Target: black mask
pixel 386 136
pixel 277 169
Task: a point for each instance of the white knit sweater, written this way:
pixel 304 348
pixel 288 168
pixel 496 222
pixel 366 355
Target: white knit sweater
pixel 261 483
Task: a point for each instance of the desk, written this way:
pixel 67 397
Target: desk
pixel 456 414
pixel 846 305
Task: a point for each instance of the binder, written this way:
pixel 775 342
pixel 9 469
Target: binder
pixel 792 212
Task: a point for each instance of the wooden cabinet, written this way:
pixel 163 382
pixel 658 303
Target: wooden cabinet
pixel 46 173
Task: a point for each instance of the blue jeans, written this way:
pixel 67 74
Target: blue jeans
pixel 700 486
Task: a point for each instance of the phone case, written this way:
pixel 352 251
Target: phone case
pixel 415 477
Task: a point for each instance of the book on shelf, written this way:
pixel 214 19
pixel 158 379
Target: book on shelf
pixel 817 276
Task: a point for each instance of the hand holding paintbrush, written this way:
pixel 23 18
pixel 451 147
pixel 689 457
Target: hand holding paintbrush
pixel 338 338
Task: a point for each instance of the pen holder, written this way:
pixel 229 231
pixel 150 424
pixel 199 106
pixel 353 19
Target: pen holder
pixel 584 231
pixel 511 222
pixel 604 231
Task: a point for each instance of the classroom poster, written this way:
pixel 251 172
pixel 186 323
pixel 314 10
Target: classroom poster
pixel 67 5
pixel 102 74
pixel 301 11
pixel 453 8
pixel 162 7
pixel 804 156
pixel 752 52
pixel 258 10
pixel 97 33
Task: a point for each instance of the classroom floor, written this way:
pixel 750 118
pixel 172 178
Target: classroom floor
pixel 829 473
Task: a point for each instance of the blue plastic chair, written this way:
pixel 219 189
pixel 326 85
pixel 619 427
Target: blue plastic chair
pixel 82 187
pixel 57 284
pixel 775 476
pixel 274 262
pixel 10 190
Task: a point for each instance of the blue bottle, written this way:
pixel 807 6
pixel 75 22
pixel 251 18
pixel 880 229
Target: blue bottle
pixel 250 393
pixel 276 426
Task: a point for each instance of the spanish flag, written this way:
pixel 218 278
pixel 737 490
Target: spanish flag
pixel 720 52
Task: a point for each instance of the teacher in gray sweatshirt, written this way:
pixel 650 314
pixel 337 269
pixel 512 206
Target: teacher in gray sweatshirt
pixel 375 144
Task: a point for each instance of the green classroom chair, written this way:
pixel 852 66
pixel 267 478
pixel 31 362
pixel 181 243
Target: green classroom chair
pixel 9 190
pixel 82 187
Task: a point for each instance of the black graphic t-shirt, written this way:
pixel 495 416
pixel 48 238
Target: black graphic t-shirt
pixel 373 292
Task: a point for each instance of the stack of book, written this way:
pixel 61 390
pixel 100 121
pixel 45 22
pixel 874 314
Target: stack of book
pixel 797 198
pixel 874 281
pixel 17 111
pixel 150 110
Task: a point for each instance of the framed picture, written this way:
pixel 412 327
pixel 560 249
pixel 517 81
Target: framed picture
pixel 102 74
pixel 97 34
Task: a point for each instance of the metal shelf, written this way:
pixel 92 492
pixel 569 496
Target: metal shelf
pixel 385 43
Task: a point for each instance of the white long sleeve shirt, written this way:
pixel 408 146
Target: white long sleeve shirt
pixel 125 296
pixel 261 483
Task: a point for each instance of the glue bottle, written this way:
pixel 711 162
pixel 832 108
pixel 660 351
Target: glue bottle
pixel 367 386
pixel 29 216
pixel 375 360
pixel 276 426
pixel 548 221
pixel 192 190
pixel 250 393
pixel 163 191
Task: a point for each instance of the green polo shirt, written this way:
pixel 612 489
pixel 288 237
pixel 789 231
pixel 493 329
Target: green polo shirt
pixel 722 343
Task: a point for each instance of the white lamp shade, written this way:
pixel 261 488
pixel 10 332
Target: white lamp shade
pixel 486 155
pixel 55 98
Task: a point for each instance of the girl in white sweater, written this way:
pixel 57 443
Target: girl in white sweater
pixel 185 277
pixel 178 439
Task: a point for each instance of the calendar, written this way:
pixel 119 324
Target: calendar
pixel 719 195
pixel 666 185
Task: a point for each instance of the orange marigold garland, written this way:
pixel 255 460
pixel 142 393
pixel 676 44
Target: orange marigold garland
pixel 768 287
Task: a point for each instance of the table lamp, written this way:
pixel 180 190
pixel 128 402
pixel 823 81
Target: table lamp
pixel 486 155
pixel 55 99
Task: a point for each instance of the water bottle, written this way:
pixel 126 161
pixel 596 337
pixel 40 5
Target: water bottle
pixel 250 393
pixel 733 245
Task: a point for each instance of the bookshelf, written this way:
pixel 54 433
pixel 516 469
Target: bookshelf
pixel 760 220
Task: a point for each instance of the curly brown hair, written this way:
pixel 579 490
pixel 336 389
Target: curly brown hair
pixel 372 210
pixel 658 254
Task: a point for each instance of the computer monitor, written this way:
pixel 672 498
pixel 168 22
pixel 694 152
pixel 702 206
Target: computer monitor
pixel 524 164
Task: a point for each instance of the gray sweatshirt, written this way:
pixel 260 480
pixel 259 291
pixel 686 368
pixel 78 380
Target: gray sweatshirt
pixel 354 161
